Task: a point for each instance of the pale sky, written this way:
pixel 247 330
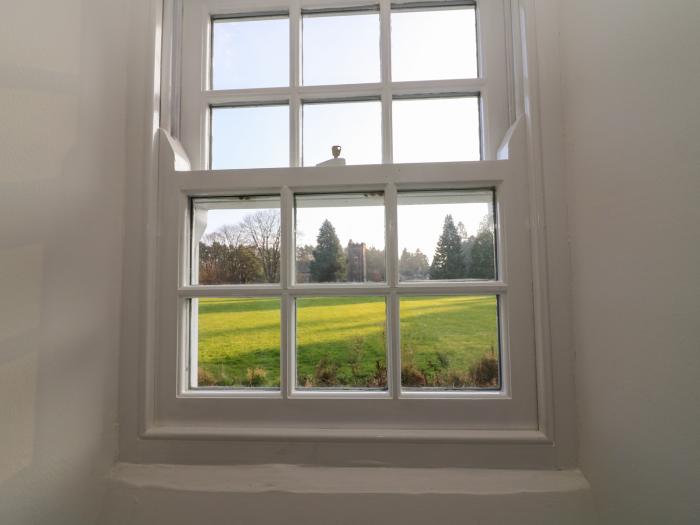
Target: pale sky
pixel 426 45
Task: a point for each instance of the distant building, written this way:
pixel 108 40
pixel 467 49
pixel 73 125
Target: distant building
pixel 357 262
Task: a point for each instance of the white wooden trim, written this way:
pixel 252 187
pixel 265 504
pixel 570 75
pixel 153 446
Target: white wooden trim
pixel 152 163
pixel 353 435
pixel 287 275
pixel 151 429
pixel 329 289
pixel 245 97
pixel 540 280
pixel 386 91
pixel 451 175
pixel 392 275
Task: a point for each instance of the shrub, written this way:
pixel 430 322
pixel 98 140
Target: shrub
pixel 484 373
pixel 412 376
pixel 355 359
pixel 435 371
pixel 457 379
pixel 306 381
pixel 378 379
pixel 443 360
pixel 205 378
pixel 256 376
pixel 326 372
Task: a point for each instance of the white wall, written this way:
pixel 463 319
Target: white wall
pixel 632 99
pixel 62 169
pixel 632 121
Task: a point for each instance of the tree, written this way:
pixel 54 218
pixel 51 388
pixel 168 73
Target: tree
pixel 262 231
pixel 329 261
pixel 413 266
pixel 482 254
pixel 220 263
pixel 462 230
pixel 448 262
pixel 244 265
pixel 305 254
pixel 376 264
pixel 243 253
pixel 226 258
pixel 212 258
pixel 228 235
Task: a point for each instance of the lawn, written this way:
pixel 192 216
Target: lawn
pixel 341 341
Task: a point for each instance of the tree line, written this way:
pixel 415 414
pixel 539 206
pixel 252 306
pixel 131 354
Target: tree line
pixel 458 255
pixel 249 252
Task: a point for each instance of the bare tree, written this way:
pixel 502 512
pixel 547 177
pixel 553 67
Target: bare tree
pixel 231 235
pixel 262 230
pixel 226 258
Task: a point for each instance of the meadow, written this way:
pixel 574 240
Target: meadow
pixel 341 341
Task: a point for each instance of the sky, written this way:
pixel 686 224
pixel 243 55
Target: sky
pixel 426 45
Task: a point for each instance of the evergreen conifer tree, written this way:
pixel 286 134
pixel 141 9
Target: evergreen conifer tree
pixel 328 264
pixel 448 262
pixel 482 256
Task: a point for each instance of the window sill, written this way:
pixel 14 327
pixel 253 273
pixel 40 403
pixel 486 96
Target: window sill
pixel 274 493
pixel 298 479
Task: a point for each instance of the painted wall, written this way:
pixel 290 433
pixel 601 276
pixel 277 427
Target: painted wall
pixel 632 114
pixel 71 124
pixel 62 169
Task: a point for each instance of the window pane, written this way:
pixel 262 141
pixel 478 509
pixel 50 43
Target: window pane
pixel 354 126
pixel 237 342
pixel 433 44
pixel 236 240
pixel 250 137
pixel 340 48
pixel 340 238
pixel 436 129
pixel 446 235
pixel 250 53
pixel 341 342
pixel 449 342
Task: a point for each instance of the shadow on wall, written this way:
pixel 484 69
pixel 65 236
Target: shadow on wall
pixel 62 144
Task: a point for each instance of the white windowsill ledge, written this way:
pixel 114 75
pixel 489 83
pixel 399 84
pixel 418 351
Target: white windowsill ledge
pixel 141 494
pixel 346 480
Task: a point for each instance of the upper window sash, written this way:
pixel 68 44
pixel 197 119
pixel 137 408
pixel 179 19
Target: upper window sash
pixel 197 99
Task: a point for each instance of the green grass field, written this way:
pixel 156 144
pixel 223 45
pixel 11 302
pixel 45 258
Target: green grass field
pixel 341 340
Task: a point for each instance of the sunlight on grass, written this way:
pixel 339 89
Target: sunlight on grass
pixel 239 342
pixel 446 342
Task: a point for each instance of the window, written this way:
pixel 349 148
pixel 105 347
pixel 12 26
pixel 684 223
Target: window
pixel 349 247
pixel 341 296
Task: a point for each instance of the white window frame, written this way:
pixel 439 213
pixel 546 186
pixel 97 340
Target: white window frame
pixel 512 416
